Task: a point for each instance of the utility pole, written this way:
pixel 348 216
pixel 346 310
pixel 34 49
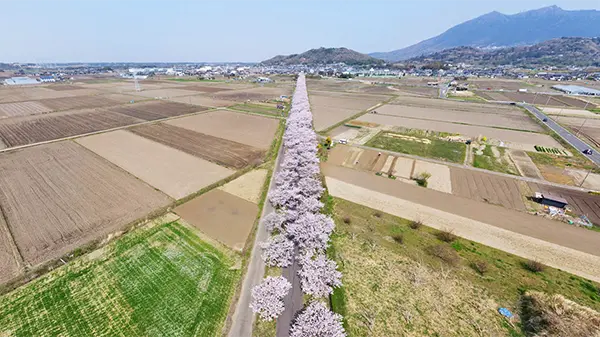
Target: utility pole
pixel 534 96
pixel 548 101
pixel 585 120
pixel 585 177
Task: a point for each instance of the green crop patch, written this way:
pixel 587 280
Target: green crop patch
pixel 161 280
pixel 420 145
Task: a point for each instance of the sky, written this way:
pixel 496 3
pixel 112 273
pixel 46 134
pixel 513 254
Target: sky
pixel 229 31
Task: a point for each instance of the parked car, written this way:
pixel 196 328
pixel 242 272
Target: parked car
pixel 589 152
pixel 343 141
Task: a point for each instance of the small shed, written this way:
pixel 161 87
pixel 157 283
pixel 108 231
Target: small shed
pixel 551 200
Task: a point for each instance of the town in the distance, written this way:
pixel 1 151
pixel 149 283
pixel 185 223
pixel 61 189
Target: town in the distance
pixel 447 188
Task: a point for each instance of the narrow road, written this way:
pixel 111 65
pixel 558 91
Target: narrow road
pixel 562 132
pixel 243 317
pixel 293 302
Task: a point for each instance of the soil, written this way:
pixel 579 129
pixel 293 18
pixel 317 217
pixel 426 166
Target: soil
pixel 440 175
pixel 253 130
pixel 488 188
pixel 9 256
pixel 253 94
pixel 511 138
pixel 209 89
pixel 163 93
pixel 64 87
pixel 156 110
pixel 22 109
pixel 222 216
pixel 33 129
pixel 524 164
pixel 217 150
pixel 248 187
pixel 203 100
pixel 511 121
pixel 59 196
pixel 556 244
pixel 331 108
pixel 174 172
pixel 82 102
pixel 448 105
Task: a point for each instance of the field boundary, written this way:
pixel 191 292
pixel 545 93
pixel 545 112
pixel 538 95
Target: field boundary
pixel 20 147
pixel 355 116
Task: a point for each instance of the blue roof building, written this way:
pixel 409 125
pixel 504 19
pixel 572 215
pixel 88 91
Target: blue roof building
pixel 576 90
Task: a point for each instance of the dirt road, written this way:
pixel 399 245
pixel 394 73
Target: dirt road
pixel 556 244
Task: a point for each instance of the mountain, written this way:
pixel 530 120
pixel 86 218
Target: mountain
pixel 577 51
pixel 500 30
pixel 325 56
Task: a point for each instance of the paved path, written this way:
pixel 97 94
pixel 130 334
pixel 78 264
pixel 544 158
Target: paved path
pixel 294 301
pixel 243 317
pixel 563 133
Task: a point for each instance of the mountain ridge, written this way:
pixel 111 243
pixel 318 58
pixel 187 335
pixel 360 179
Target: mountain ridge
pixel 495 29
pixel 324 56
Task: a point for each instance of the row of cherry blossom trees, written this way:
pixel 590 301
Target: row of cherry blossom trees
pixel 298 227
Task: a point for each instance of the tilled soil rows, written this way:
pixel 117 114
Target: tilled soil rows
pixel 174 172
pixel 82 102
pixel 222 216
pixel 239 127
pixel 156 110
pixel 34 129
pixel 22 109
pixel 203 88
pixel 64 87
pixel 59 196
pixel 217 150
pixel 488 188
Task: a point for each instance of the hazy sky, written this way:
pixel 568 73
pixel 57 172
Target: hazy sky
pixel 195 31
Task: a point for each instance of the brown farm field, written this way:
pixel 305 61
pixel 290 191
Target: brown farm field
pixel 588 128
pixel 154 110
pixel 172 171
pixel 163 92
pixel 203 88
pixel 522 122
pixel 22 109
pixel 203 100
pixel 531 98
pixel 252 94
pixel 33 129
pixel 80 102
pixel 419 90
pixel 64 87
pixel 59 196
pixel 217 150
pixel 253 130
pixel 445 104
pixel 487 188
pixel 331 108
pixel 222 216
pixel 512 138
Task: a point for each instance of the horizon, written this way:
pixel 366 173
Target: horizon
pixel 238 32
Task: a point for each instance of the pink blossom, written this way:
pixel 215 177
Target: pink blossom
pixel 316 320
pixel 267 297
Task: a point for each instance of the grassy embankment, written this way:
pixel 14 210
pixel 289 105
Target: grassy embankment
pixel 156 280
pixel 404 279
pixel 436 149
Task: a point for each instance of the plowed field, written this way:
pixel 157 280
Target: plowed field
pixel 218 150
pixel 174 172
pixel 34 129
pixel 221 216
pixel 203 88
pixel 82 102
pixel 64 87
pixel 58 196
pixel 239 127
pixel 156 110
pixel 485 187
pixel 22 109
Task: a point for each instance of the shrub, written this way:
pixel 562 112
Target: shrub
pixel 446 236
pixel 377 214
pixel 347 220
pixel 421 178
pixel 398 238
pixel 445 253
pixel 481 267
pixel 415 224
pixel 534 266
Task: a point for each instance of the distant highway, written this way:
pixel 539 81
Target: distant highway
pixel 563 133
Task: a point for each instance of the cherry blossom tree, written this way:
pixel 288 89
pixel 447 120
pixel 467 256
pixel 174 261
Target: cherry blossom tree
pixel 316 320
pixel 311 231
pixel 267 297
pixel 278 251
pixel 274 221
pixel 319 275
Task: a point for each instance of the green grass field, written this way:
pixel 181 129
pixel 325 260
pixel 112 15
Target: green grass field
pixel 394 286
pixel 438 149
pixel 157 281
pixel 488 161
pixel 258 108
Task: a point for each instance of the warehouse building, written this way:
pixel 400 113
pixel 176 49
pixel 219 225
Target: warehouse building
pixel 20 81
pixel 576 90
